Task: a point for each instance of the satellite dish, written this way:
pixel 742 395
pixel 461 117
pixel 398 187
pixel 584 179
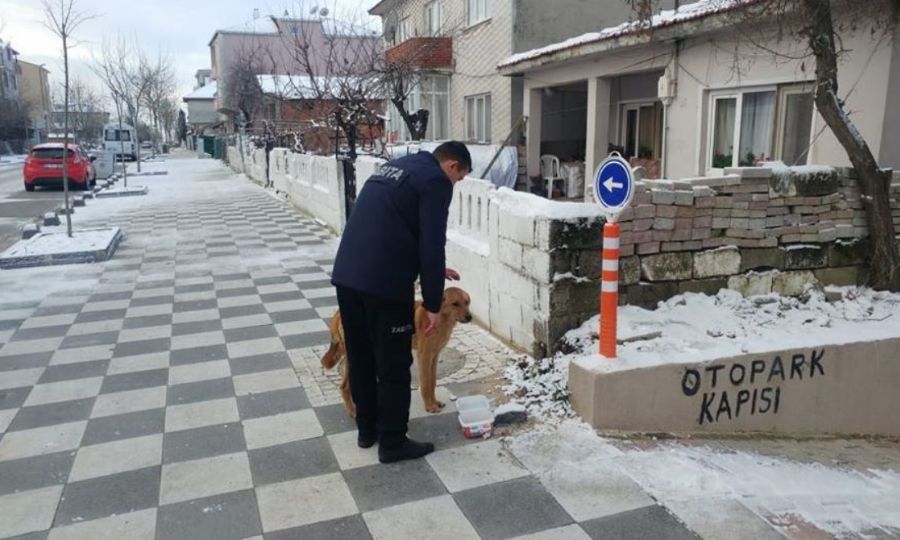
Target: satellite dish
pixel 323 12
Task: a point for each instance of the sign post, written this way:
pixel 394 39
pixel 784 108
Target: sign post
pixel 613 191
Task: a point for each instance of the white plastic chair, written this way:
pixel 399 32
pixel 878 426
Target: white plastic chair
pixel 550 173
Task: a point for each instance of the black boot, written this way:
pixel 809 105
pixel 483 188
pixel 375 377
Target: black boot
pixel 366 441
pixel 408 449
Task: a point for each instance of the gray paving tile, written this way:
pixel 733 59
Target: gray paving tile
pixel 25 361
pixel 203 442
pixel 124 426
pixel 107 296
pixel 198 354
pixel 282 296
pixel 152 300
pixel 250 332
pixel 294 315
pixel 240 291
pixel 56 310
pixel 197 327
pixel 35 472
pixel 221 517
pixel 199 287
pixel 104 315
pixel 9 324
pixel 324 301
pixel 273 280
pixel 260 362
pixel 302 341
pixel 240 311
pixel 89 340
pixel 179 394
pixel 108 495
pixel 379 486
pixel 52 414
pixel 40 333
pixel 145 346
pixel 42 535
pixel 134 381
pixel 13 398
pixel 257 405
pixel 511 508
pixel 147 321
pixel 155 284
pixel 194 305
pixel 441 429
pixel 334 419
pixel 81 370
pixel 352 527
pixel 293 460
pixel 648 523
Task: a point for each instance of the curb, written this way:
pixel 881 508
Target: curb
pixel 77 257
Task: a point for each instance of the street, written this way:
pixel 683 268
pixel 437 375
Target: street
pixel 18 207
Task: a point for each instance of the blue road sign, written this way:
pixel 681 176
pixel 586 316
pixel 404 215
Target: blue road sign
pixel 614 184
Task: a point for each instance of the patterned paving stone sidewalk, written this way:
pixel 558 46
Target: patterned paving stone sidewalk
pixel 173 393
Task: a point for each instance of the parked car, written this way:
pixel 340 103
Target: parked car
pixel 44 164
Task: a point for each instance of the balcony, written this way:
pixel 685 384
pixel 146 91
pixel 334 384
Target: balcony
pixel 423 53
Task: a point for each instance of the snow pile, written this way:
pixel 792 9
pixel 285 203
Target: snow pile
pixel 207 91
pixel 697 328
pixel 570 458
pixel 59 243
pixel 541 386
pixel 664 18
pixel 530 205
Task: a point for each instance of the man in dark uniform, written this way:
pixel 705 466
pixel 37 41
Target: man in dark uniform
pixel 396 232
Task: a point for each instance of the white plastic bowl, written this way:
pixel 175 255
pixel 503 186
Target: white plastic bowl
pixel 475 416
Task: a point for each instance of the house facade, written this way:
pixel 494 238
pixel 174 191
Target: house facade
pixel 457 44
pixel 270 46
pixel 34 89
pixel 695 96
pixel 201 108
pixel 9 72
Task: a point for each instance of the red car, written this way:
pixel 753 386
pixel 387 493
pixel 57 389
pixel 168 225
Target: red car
pixel 43 167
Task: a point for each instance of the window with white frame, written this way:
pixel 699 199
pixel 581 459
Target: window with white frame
pixel 478 11
pixel 432 94
pixel 433 18
pixel 478 118
pixel 404 30
pixel 748 126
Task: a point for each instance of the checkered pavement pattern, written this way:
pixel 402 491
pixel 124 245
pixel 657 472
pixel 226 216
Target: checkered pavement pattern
pixel 155 397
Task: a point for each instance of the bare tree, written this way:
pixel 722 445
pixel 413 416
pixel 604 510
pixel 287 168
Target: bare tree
pixel 112 67
pixel 63 19
pixel 87 105
pixel 160 88
pixel 242 90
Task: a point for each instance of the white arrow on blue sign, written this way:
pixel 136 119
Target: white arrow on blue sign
pixel 614 184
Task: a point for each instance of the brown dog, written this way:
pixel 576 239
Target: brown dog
pixel 454 309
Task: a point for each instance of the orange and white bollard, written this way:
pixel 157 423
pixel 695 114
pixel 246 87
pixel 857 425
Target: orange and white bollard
pixel 609 290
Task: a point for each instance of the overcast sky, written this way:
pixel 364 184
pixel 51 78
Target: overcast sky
pixel 180 28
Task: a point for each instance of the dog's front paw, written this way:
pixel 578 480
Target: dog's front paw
pixel 434 407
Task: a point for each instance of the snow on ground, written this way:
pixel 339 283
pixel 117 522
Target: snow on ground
pixel 571 458
pixel 697 328
pixel 59 243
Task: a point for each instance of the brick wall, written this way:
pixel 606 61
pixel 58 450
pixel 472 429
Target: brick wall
pixel 424 52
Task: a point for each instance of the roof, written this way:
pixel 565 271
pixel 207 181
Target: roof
pixel 582 45
pixel 207 91
pixel 380 7
pixel 301 86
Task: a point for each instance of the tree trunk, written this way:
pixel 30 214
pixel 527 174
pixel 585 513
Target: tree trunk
pixel 410 120
pixel 873 183
pixel 65 150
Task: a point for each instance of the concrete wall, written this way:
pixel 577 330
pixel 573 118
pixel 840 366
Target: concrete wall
pixel 832 389
pixel 315 184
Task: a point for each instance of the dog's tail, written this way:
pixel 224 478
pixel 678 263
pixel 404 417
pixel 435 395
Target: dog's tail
pixel 330 358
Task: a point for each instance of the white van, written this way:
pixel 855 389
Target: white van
pixel 121 141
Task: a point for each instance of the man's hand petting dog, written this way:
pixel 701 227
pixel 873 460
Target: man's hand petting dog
pixel 433 320
pixel 451 274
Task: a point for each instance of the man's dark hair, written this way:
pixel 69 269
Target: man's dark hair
pixel 456 151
